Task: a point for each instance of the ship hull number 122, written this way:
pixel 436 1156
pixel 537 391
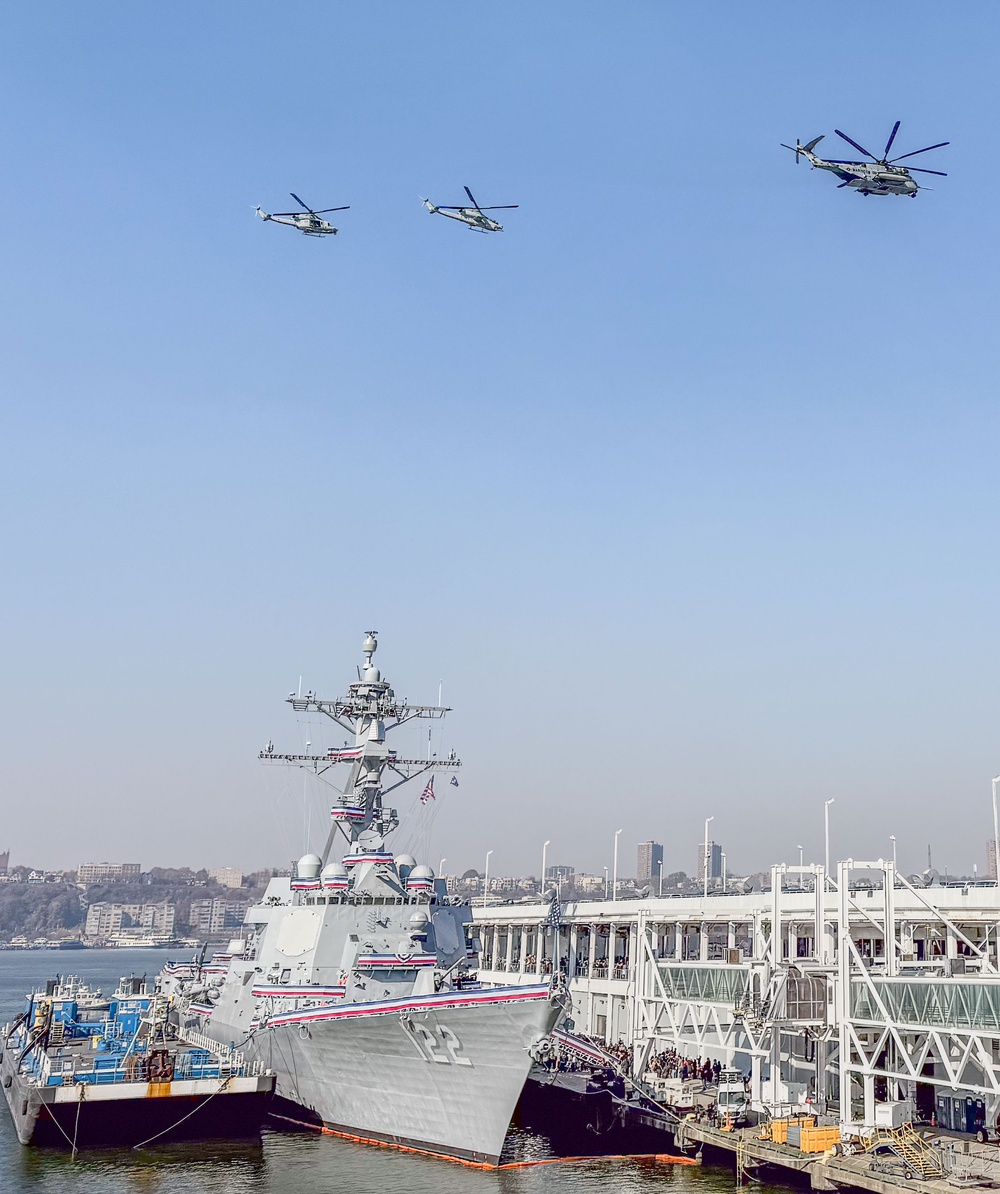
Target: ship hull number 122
pixel 437 1042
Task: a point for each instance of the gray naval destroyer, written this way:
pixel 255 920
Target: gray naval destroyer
pixel 355 982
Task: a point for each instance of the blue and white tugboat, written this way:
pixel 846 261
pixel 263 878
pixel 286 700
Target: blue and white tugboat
pixel 355 982
pixel 82 1071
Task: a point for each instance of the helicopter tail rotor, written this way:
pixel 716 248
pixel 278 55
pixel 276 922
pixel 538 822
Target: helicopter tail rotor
pixel 798 148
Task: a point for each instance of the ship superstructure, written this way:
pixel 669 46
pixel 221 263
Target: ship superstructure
pixel 355 980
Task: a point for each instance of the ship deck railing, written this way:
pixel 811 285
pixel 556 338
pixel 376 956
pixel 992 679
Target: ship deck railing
pixel 74 1070
pixel 196 1057
pixel 226 1053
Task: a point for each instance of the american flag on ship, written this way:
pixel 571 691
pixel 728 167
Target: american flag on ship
pixel 427 795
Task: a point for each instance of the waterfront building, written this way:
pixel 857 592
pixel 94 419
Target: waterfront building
pixel 226 876
pixel 835 993
pixel 649 863
pixel 212 917
pixel 106 920
pixel 4 862
pixel 108 872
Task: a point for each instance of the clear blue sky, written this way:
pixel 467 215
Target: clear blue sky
pixel 685 484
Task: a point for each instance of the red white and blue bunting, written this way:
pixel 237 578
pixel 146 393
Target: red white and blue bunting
pixel 395 961
pixel 442 1001
pixel 276 991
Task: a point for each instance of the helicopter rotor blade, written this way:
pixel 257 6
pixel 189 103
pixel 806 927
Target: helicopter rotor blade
pixel 794 148
pixel 324 210
pixel 860 148
pixel 926 149
pixel 501 207
pixel 301 204
pixel 473 198
pixel 921 170
pixel 888 144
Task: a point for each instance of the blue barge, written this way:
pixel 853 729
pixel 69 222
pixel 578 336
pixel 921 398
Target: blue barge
pixel 80 1071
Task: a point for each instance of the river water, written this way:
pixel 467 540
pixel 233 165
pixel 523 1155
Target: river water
pixel 286 1162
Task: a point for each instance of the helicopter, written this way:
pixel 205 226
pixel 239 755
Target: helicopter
pixel 309 223
pixel 880 176
pixel 473 216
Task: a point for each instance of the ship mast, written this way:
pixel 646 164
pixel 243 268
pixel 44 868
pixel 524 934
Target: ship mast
pixel 369 712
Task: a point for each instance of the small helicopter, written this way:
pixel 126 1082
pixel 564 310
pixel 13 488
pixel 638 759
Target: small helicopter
pixel 308 222
pixel 473 216
pixel 880 176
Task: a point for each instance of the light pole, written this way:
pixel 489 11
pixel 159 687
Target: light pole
pixel 486 878
pixel 826 830
pixel 708 821
pixel 661 878
pixel 996 833
pixel 605 882
pixel 541 885
pixel 441 867
pixel 892 838
pixel 614 884
pixel 799 848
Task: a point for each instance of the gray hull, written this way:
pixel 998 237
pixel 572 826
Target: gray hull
pixel 446 1081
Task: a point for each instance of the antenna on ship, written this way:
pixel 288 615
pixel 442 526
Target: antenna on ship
pixel 369 712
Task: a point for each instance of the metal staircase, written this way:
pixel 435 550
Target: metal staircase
pixel 919 1157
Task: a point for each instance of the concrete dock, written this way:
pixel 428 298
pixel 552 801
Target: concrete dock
pixel 967 1163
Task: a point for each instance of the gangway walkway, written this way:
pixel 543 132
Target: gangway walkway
pixel 920 1158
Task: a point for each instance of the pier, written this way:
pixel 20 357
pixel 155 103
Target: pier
pixel 964 1164
pixel 863 996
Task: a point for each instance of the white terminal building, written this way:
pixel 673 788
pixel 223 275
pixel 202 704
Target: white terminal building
pixel 840 993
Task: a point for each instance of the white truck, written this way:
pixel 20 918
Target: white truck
pixel 731 1100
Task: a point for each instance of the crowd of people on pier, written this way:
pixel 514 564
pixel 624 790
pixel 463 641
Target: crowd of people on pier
pixel 671 1064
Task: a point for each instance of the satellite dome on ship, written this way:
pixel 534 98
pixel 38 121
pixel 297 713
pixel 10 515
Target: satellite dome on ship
pixel 404 864
pixel 308 866
pixel 334 876
pixel 421 878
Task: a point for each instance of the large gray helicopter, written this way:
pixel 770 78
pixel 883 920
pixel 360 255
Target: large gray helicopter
pixel 880 176
pixel 473 216
pixel 307 221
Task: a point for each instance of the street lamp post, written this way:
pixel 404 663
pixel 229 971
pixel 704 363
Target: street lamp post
pixel 826 830
pixel 892 838
pixel 486 878
pixel 614 884
pixel 441 867
pixel 541 884
pixel 661 878
pixel 605 882
pixel 996 832
pixel 799 848
pixel 708 821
